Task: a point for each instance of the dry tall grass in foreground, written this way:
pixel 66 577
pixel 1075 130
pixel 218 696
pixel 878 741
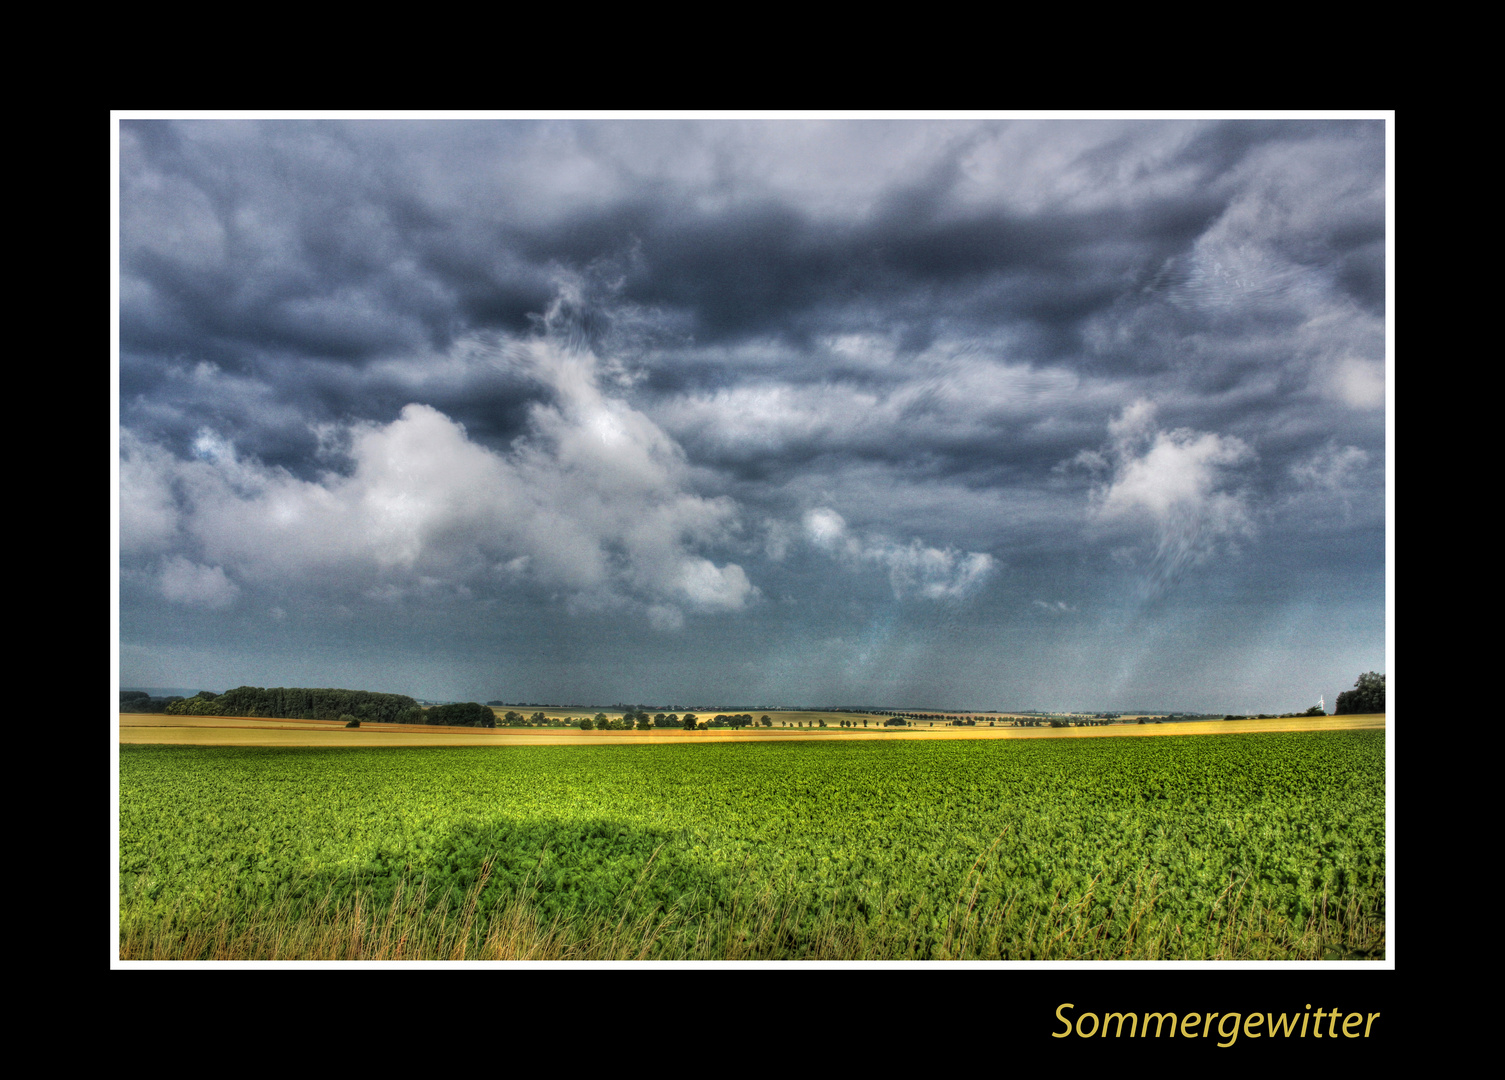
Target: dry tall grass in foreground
pixel 761 927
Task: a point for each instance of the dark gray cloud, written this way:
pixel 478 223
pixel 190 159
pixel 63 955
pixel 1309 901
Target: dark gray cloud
pixel 795 408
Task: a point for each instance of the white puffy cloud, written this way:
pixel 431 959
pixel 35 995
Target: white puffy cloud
pixel 1172 483
pixel 1358 383
pixel 1330 468
pixel 186 582
pixel 826 528
pixel 593 499
pixel 1176 476
pixel 913 568
pixel 1332 482
pixel 148 512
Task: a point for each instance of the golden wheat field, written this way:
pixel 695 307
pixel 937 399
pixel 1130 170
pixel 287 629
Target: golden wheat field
pixel 244 731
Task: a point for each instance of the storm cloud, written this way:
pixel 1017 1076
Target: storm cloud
pixel 755 411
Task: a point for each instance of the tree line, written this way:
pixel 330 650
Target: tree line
pixel 139 701
pixel 311 703
pixel 640 720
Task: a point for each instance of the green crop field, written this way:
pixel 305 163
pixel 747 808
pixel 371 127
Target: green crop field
pixel 1248 846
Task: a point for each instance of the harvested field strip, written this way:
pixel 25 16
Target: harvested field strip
pixel 147 728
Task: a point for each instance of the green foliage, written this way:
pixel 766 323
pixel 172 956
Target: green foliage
pixel 1367 696
pixel 890 839
pixel 301 703
pixel 462 714
pixel 139 701
pixel 637 718
pixel 204 703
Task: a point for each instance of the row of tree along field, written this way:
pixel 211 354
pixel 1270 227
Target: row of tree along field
pixel 305 703
pixel 354 706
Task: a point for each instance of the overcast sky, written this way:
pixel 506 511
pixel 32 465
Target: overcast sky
pixel 950 414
